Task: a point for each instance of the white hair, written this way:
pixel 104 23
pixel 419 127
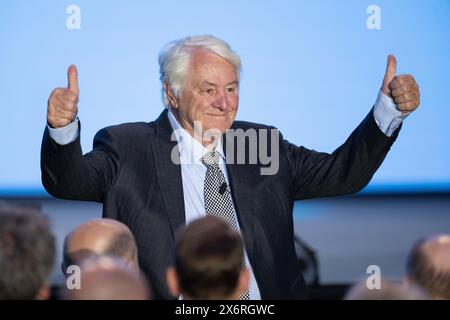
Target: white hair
pixel 174 60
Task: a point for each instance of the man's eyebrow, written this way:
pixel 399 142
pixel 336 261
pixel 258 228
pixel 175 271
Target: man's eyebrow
pixel 233 82
pixel 208 83
pixel 215 85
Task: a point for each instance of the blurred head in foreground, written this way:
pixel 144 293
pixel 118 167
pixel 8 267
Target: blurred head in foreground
pixel 99 237
pixel 109 278
pixel 389 290
pixel 428 266
pixel 27 253
pixel 208 262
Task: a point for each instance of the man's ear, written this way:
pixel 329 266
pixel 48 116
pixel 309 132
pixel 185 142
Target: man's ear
pixel 172 282
pixel 170 96
pixel 243 282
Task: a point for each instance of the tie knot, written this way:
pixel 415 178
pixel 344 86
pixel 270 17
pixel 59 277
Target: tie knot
pixel 210 159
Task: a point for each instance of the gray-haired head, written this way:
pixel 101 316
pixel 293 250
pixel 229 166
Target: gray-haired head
pixel 27 253
pixel 174 60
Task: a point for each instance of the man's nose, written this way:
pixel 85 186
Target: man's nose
pixel 223 102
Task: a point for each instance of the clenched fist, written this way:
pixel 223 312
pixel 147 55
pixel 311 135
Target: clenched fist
pixel 62 104
pixel 403 89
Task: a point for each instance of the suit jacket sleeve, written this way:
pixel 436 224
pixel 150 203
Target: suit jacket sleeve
pixel 347 170
pixel 68 174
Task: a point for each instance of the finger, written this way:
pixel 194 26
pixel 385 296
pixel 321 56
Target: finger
pixel 65 104
pixel 65 114
pixel 58 119
pixel 401 80
pixel 57 92
pixel 405 89
pixel 60 114
pixel 69 96
pixel 391 68
pixel 56 122
pixel 72 75
pixel 408 106
pixel 407 97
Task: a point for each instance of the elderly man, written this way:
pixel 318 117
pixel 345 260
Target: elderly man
pixel 158 176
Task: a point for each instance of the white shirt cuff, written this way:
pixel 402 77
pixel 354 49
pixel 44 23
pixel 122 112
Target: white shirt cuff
pixel 386 114
pixel 64 135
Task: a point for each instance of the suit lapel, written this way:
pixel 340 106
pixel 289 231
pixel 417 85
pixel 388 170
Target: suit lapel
pixel 243 178
pixel 169 173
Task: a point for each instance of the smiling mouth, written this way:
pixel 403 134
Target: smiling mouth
pixel 216 115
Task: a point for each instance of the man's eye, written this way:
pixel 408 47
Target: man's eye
pixel 209 91
pixel 231 90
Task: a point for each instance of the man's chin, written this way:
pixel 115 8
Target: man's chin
pixel 218 127
pixel 215 131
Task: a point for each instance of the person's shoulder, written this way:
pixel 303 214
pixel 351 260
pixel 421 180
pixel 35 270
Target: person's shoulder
pixel 127 131
pixel 259 129
pixel 130 127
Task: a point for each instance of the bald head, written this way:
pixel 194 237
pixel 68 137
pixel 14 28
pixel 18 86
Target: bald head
pixel 99 237
pixel 389 290
pixel 109 278
pixel 429 265
pixel 437 249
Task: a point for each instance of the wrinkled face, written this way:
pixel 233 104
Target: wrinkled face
pixel 210 93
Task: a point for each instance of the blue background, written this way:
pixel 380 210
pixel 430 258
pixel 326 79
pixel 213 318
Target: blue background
pixel 313 69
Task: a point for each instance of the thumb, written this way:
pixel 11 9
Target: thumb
pixel 72 77
pixel 390 73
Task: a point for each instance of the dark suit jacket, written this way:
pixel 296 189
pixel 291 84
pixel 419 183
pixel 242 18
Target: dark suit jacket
pixel 130 171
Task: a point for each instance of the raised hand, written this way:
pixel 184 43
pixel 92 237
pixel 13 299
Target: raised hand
pixel 403 89
pixel 62 106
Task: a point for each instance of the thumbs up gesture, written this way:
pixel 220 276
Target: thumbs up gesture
pixel 62 104
pixel 403 89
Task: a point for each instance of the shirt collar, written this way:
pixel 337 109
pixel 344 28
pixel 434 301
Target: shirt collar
pixel 190 149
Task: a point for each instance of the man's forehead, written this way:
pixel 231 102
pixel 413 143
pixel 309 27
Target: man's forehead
pixel 209 69
pixel 208 61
